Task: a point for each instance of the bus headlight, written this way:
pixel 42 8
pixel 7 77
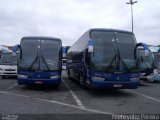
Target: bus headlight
pixel 22 76
pixel 55 77
pixel 98 78
pixel 1 69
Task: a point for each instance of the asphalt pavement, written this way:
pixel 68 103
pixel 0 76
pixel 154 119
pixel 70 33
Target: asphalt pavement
pixel 70 98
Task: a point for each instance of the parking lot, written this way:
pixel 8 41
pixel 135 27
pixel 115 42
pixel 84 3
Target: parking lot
pixel 70 98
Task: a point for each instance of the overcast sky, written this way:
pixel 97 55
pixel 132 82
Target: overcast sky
pixel 69 19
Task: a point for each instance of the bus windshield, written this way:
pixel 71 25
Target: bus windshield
pixel 146 61
pixel 126 44
pixel 8 59
pixel 113 51
pixel 154 50
pixel 40 54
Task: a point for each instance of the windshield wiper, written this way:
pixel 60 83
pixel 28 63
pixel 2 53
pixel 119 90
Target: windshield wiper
pixel 108 67
pixel 45 63
pixel 120 59
pixel 111 63
pixel 128 70
pixel 30 67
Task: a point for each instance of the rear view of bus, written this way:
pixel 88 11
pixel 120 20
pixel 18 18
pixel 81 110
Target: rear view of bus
pixel 105 60
pixel 39 61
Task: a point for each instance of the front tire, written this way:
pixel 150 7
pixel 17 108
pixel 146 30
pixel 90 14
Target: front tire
pixel 82 81
pixel 3 76
pixel 68 72
pixel 57 86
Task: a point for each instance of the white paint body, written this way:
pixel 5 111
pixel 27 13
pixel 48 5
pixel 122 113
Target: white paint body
pixel 8 70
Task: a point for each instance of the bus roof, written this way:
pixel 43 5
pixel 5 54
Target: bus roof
pixel 41 37
pixel 109 29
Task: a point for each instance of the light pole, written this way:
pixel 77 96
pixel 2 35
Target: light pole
pixel 131 3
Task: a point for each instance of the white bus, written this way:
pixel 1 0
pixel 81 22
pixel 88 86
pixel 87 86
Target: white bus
pixel 8 64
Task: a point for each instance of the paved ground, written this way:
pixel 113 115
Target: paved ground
pixel 70 98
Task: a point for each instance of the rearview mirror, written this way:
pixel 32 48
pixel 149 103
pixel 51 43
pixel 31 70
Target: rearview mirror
pixel 64 55
pixel 90 49
pixel 19 51
pixel 141 46
pixel 90 46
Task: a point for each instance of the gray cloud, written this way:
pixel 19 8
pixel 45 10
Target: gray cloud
pixel 69 19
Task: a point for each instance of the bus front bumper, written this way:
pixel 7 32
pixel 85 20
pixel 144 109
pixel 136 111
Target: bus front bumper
pixel 31 81
pixel 8 73
pixel 133 84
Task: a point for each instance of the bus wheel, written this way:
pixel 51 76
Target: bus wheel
pixel 57 86
pixel 68 72
pixel 3 76
pixel 81 81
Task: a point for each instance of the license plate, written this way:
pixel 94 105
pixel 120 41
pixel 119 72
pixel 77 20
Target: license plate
pixel 38 82
pixel 117 85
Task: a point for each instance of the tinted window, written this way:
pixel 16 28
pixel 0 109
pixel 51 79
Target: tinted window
pixel 126 44
pixel 113 50
pixel 29 53
pixel 50 50
pixel 8 59
pixel 40 54
pixel 104 44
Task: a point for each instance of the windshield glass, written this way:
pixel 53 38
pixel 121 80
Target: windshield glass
pixel 112 49
pixel 104 52
pixel 146 61
pixel 40 54
pixel 126 44
pixel 154 48
pixel 8 59
pixel 29 53
pixel 50 52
